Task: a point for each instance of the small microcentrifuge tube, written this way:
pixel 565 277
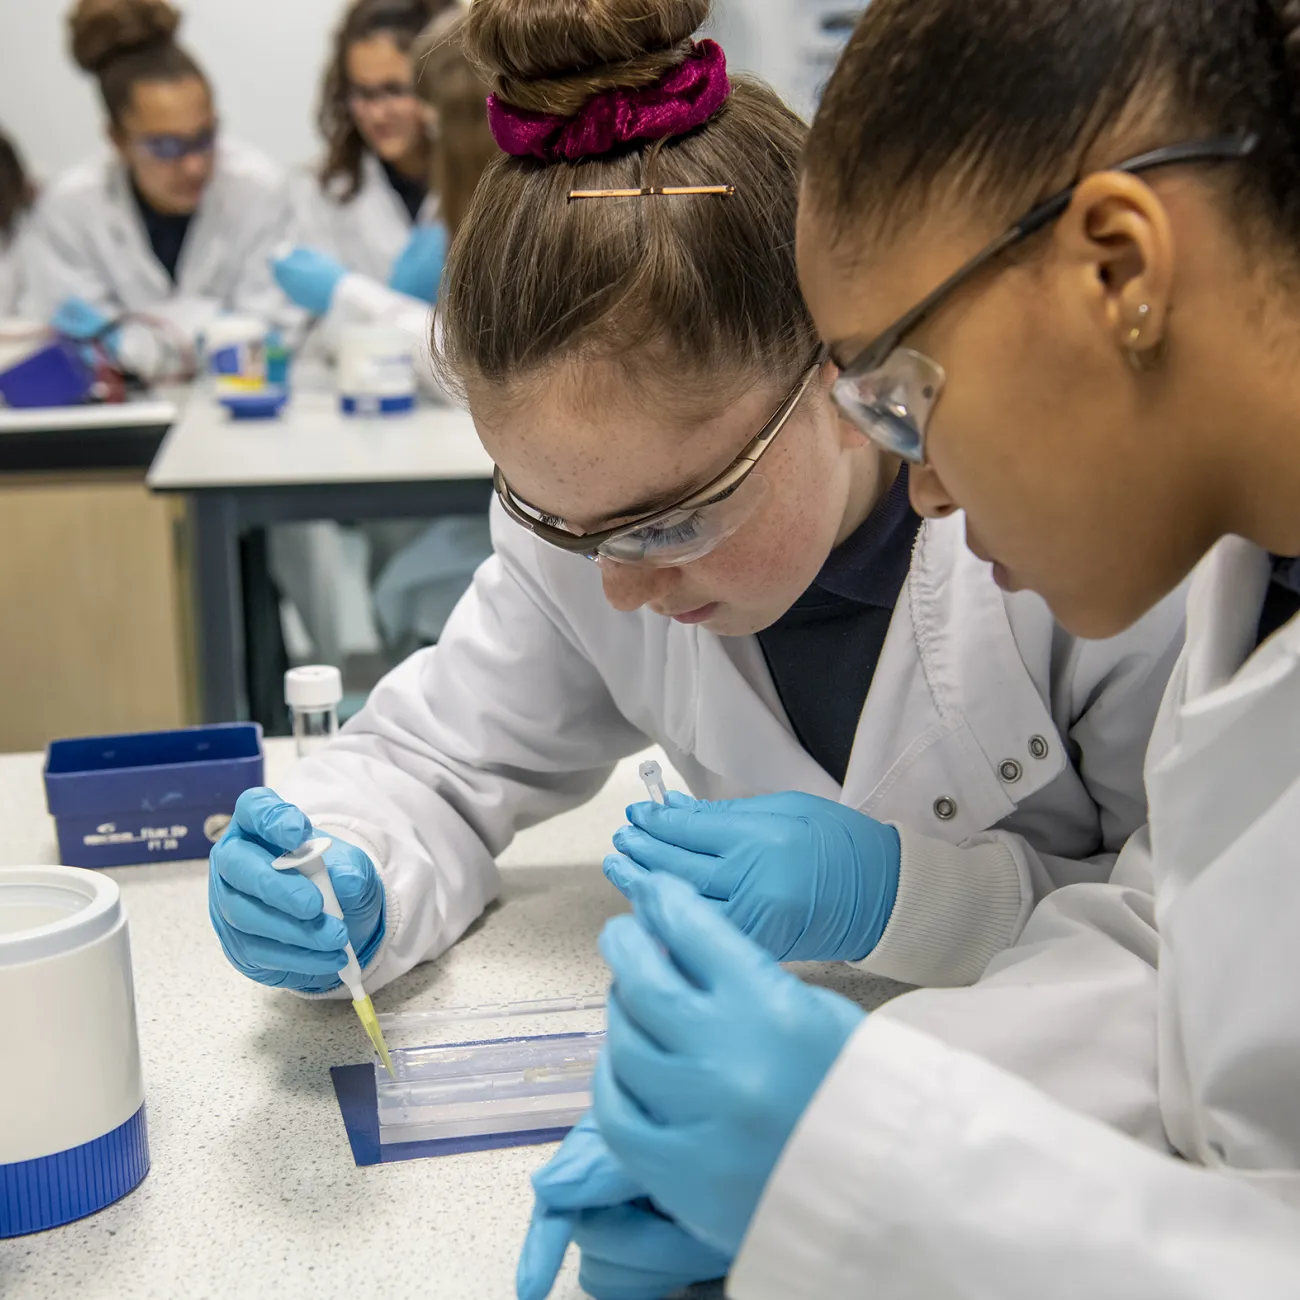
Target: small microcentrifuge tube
pixel 653 776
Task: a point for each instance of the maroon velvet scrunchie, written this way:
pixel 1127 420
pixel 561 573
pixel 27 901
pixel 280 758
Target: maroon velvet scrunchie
pixel 684 98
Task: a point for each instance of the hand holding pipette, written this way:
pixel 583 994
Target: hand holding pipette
pixel 271 923
pixel 309 860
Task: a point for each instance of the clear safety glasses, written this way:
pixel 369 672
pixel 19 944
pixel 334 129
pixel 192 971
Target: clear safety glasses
pixel 889 392
pixel 685 531
pixel 372 96
pixel 176 148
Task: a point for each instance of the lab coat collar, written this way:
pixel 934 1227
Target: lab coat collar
pixel 956 682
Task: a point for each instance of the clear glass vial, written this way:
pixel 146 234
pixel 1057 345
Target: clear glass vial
pixel 313 695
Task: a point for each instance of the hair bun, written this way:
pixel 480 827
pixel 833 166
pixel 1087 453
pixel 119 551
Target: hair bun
pixel 104 30
pixel 552 56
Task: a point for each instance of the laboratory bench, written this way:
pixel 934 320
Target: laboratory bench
pixel 313 462
pixel 253 1191
pixel 61 439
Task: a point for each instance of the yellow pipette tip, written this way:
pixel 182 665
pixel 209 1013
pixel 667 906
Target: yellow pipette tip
pixel 365 1010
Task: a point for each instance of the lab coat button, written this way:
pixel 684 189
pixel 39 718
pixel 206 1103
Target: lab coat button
pixel 945 809
pixel 1037 747
pixel 1010 771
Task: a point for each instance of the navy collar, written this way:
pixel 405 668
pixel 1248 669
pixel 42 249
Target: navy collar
pixel 871 565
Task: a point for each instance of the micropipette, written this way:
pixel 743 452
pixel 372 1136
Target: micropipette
pixel 309 859
pixel 653 776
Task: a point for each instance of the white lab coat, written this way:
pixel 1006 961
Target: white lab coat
pixel 538 687
pixel 87 240
pixel 919 1170
pixel 367 233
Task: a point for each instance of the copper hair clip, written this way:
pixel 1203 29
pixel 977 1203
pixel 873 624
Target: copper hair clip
pixel 668 191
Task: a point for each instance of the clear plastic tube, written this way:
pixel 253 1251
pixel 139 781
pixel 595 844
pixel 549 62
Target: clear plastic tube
pixel 313 729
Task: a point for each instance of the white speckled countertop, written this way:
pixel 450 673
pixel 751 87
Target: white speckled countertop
pixel 253 1191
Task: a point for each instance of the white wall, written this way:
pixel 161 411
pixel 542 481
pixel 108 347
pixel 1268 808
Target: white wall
pixel 266 58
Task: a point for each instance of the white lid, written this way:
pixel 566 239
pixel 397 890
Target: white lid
pixel 45 911
pixel 318 686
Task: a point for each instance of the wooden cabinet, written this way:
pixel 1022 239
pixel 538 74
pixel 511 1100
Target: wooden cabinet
pixel 92 609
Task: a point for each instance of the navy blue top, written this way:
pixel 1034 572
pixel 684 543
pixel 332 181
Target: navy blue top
pixel 1282 600
pixel 166 231
pixel 822 653
pixel 412 192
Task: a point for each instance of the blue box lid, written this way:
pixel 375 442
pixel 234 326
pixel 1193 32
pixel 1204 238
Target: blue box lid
pixel 151 771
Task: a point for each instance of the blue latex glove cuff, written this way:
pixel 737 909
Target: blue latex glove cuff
pixel 806 878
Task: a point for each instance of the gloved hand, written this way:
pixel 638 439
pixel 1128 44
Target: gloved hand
pixel 418 269
pixel 80 320
pixel 629 1250
pixel 713 1054
pixel 77 319
pixel 309 278
pixel 805 878
pixel 272 923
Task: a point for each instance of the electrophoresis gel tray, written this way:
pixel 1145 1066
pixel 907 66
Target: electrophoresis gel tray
pixel 474 1078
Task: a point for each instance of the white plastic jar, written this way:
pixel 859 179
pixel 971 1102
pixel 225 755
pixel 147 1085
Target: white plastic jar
pixel 376 371
pixel 73 1137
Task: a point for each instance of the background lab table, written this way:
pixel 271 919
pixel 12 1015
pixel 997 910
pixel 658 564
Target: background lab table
pixel 312 463
pixel 253 1192
pixel 80 438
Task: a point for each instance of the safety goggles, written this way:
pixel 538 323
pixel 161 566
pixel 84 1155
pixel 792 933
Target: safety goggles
pixel 685 531
pixel 174 148
pixel 889 392
pixel 370 96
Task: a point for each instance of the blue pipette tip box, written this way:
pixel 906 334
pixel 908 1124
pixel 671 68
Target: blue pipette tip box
pixel 157 796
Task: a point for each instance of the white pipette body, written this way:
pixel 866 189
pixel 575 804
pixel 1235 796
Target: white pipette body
pixel 309 859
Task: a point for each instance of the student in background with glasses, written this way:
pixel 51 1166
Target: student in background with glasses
pixel 177 222
pixel 693 548
pixel 369 209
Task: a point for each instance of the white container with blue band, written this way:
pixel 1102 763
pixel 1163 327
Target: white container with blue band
pixel 376 371
pixel 72 1119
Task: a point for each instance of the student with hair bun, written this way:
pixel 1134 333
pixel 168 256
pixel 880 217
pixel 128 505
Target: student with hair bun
pixel 693 548
pixel 177 221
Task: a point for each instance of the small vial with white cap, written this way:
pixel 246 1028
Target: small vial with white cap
pixel 313 695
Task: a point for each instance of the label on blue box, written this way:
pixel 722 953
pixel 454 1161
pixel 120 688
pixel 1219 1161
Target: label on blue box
pixel 122 801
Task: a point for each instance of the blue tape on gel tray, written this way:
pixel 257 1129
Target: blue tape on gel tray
pixel 354 1085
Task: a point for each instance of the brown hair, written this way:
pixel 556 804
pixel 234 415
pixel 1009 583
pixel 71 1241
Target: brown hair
pixel 1001 101
pixel 16 189
pixel 691 284
pixel 124 42
pixel 448 82
pixel 403 20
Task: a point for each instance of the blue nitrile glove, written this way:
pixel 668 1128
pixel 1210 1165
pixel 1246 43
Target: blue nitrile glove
pixel 272 923
pixel 805 878
pixel 309 278
pixel 629 1250
pixel 713 1054
pixel 418 269
pixel 77 319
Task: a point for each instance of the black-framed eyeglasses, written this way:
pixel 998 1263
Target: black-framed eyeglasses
pixel 889 391
pixel 688 529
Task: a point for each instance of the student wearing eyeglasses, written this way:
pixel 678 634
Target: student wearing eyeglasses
pixel 369 210
pixel 693 547
pixel 178 220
